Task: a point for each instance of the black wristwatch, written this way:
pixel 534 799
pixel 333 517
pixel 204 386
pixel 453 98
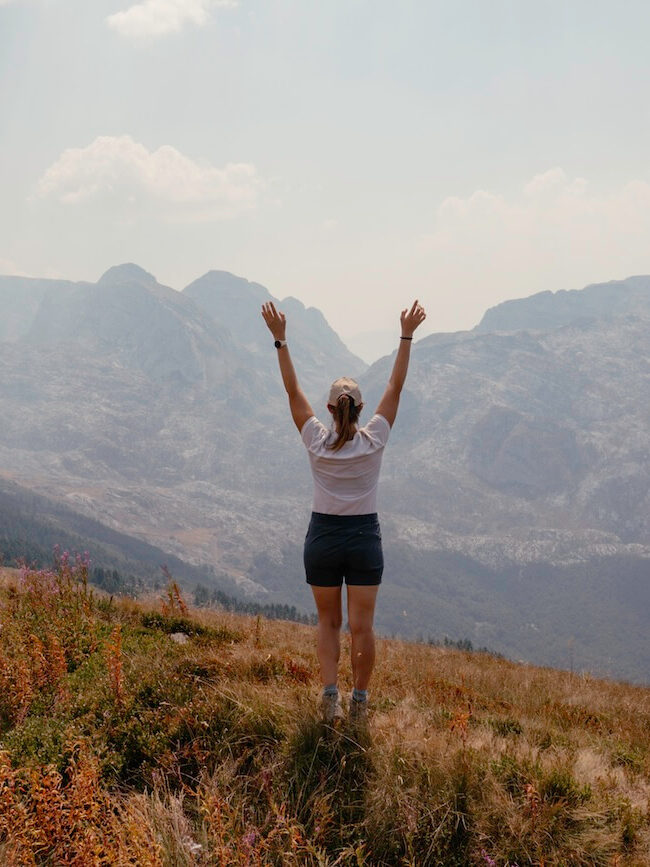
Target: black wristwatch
pixel 280 343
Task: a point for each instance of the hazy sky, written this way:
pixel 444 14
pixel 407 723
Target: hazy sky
pixel 354 153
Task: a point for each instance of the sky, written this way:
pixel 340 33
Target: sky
pixel 356 154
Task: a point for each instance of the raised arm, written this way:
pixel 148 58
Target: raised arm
pixel 410 319
pixel 298 403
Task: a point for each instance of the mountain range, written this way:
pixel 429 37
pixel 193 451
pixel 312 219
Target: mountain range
pixel 515 496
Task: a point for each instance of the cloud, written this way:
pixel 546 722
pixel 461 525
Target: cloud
pixel 121 173
pixel 548 181
pixel 154 18
pixel 8 266
pixel 556 232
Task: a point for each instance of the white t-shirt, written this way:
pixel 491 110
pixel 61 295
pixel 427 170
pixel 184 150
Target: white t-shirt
pixel 345 482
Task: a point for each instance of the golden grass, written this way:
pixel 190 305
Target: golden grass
pixel 122 747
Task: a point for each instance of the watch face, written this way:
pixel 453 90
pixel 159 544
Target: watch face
pixel 277 344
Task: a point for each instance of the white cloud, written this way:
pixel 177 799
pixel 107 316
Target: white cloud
pixel 155 18
pixel 548 181
pixel 8 266
pixel 122 173
pixel 556 233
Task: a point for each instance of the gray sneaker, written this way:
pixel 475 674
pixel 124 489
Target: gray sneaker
pixel 331 709
pixel 358 711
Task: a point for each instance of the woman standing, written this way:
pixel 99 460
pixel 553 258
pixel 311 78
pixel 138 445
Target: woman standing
pixel 344 539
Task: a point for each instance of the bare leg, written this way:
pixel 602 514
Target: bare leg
pixel 328 603
pixel 361 613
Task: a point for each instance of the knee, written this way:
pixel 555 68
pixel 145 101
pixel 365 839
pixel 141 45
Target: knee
pixel 331 621
pixel 360 628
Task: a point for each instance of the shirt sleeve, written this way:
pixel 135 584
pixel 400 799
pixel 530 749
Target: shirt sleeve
pixel 312 432
pixel 378 430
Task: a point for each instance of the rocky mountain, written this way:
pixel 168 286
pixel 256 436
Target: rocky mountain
pixel 129 402
pixel 547 310
pixel 147 327
pixel 520 481
pixel 515 492
pixel 535 428
pixel 317 350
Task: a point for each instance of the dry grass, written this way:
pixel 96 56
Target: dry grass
pixel 119 746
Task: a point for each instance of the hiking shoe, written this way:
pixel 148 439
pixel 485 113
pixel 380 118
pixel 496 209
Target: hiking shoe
pixel 358 711
pixel 331 709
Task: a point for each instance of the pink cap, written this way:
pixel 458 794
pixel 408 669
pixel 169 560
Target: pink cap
pixel 344 385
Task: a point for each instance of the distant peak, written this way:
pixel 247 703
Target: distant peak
pixel 226 275
pixel 547 310
pixel 221 279
pixel 224 284
pixel 293 303
pixel 126 273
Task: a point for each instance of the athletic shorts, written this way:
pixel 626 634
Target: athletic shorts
pixel 343 546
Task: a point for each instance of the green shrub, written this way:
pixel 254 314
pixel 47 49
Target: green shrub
pixel 628 756
pixel 170 624
pixel 513 774
pixel 559 785
pixel 505 727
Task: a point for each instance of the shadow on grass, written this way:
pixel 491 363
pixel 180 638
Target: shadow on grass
pixel 327 772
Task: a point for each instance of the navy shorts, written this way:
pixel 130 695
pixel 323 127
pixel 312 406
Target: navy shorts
pixel 343 546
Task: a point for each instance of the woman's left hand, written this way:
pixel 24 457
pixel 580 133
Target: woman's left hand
pixel 276 321
pixel 411 319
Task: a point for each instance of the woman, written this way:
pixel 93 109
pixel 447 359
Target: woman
pixel 344 539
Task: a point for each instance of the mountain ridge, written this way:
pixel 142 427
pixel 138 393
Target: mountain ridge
pixel 546 310
pixel 517 457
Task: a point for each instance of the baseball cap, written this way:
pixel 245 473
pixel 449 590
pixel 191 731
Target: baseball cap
pixel 344 385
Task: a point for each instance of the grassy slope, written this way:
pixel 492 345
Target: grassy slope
pixel 31 525
pixel 123 746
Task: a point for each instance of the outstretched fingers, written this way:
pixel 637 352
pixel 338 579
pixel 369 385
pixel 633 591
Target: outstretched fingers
pixel 412 318
pixel 275 320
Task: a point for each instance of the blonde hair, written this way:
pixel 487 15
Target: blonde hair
pixel 346 415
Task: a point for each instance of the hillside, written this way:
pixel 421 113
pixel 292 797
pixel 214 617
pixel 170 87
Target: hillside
pixel 32 527
pixel 514 496
pixel 144 733
pixel 545 311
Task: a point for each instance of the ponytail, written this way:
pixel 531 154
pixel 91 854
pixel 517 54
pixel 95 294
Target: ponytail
pixel 346 414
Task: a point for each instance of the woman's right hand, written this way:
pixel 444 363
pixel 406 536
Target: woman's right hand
pixel 276 321
pixel 410 319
